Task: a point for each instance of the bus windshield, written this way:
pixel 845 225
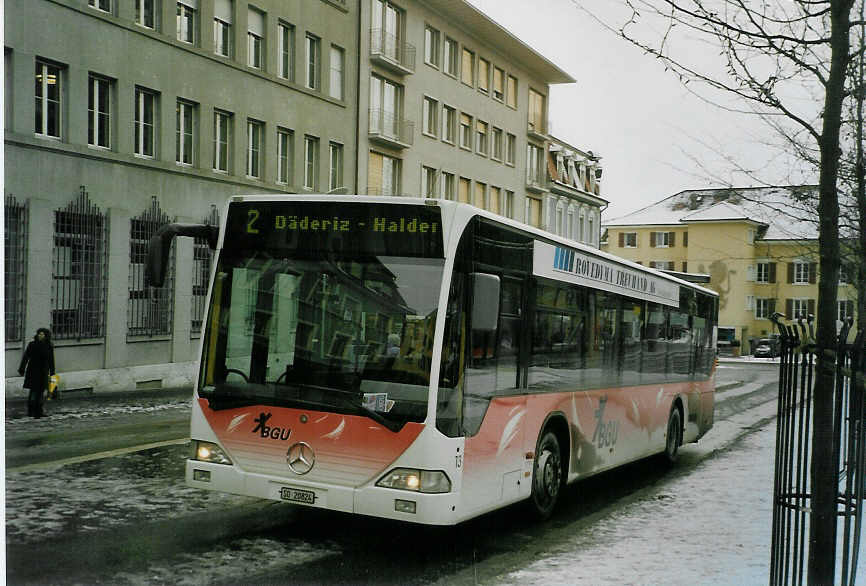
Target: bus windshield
pixel 322 324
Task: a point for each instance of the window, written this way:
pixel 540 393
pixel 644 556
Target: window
pixel 481 145
pixel 534 164
pixel 483 75
pixel 799 308
pixel 465 131
pixel 285 149
pixel 496 140
pixel 149 309
pixel 662 265
pixel 536 111
pixel 430 110
pixel 286 50
pixel 387 32
pixel 766 272
pixel 383 175
pixel 662 239
pixel 764 308
pixel 48 94
pixel 508 204
pixel 311 161
pixel 186 10
pixel 386 107
pixel 336 172
pixel 449 124
pixel 222 28
pixel 222 125
pixel 591 236
pixel 498 84
pixel 450 58
pixel 510 149
pixel 511 96
pixel 14 266
pixel 202 258
pixel 803 273
pixel 428 182
pixel 533 212
pixel 255 38
pixel 464 190
pixel 493 202
pixel 145 15
pixel 145 116
pixel 846 309
pixel 185 135
pixel 628 239
pixel 431 46
pixel 79 276
pixel 467 69
pixel 103 5
pixel 255 134
pixel 448 185
pixel 337 60
pixel 480 195
pixel 313 45
pixel 99 112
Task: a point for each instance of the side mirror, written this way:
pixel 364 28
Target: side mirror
pixel 485 302
pixel 160 245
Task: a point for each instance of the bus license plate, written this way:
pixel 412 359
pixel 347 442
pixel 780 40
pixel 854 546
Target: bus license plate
pixel 307 497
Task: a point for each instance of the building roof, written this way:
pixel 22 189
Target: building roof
pixel 492 33
pixel 788 213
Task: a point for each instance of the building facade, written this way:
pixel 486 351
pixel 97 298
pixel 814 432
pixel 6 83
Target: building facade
pixel 757 246
pixel 124 115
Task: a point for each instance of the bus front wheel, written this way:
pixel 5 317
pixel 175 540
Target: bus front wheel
pixel 674 438
pixel 546 476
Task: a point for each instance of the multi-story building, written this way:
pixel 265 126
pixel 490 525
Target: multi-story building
pixel 123 115
pixel 757 246
pixel 454 106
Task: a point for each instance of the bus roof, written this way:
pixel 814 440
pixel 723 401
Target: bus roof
pixel 470 209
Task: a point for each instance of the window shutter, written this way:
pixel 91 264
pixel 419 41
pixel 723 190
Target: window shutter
pixel 673 239
pixel 222 9
pixel 813 272
pixel 771 307
pixel 685 267
pixel 789 308
pixel 750 302
pixel 256 22
pixel 750 273
pixel 790 272
pixel 621 239
pixel 652 239
pixel 849 308
pixel 686 239
pixel 772 273
pixel 810 307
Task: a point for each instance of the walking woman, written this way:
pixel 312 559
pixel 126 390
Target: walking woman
pixel 37 365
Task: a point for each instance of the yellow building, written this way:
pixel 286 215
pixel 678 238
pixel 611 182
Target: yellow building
pixel 753 244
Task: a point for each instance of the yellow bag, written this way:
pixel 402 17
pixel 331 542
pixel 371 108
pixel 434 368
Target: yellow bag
pixel 53 383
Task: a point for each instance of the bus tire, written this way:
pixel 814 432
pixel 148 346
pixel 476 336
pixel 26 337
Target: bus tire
pixel 546 476
pixel 674 436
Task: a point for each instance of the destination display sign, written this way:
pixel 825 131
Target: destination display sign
pixel 572 266
pixel 350 228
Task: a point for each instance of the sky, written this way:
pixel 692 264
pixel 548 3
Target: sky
pixel 656 138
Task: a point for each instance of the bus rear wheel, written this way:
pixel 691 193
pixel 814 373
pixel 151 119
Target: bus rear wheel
pixel 546 476
pixel 674 438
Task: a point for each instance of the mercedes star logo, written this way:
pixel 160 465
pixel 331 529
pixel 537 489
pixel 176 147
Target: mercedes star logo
pixel 301 458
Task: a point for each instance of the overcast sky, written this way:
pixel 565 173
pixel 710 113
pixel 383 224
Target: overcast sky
pixel 648 128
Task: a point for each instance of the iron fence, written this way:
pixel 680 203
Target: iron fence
pixel 792 492
pixel 150 309
pixel 15 216
pixel 78 266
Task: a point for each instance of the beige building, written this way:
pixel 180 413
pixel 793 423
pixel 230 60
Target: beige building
pixel 752 244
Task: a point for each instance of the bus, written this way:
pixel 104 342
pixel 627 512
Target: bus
pixel 428 361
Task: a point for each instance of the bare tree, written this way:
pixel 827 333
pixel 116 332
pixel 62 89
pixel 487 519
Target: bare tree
pixel 773 54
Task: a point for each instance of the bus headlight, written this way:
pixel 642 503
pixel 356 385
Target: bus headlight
pixel 209 452
pixel 427 481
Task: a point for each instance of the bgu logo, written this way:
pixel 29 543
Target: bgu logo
pixel 265 430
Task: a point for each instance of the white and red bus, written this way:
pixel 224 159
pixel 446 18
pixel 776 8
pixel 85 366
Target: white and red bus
pixel 428 361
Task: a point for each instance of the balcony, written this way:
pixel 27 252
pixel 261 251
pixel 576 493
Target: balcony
pixel 535 183
pixel 387 50
pixel 390 130
pixel 536 130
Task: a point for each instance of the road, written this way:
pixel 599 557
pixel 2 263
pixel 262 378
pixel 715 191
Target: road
pixel 97 489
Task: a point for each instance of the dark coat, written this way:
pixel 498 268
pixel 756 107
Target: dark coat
pixel 37 364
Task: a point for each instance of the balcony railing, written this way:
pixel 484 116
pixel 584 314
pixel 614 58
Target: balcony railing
pixel 388 128
pixel 388 50
pixel 536 130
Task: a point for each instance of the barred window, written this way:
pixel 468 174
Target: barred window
pixel 14 267
pixel 149 311
pixel 202 258
pixel 79 275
